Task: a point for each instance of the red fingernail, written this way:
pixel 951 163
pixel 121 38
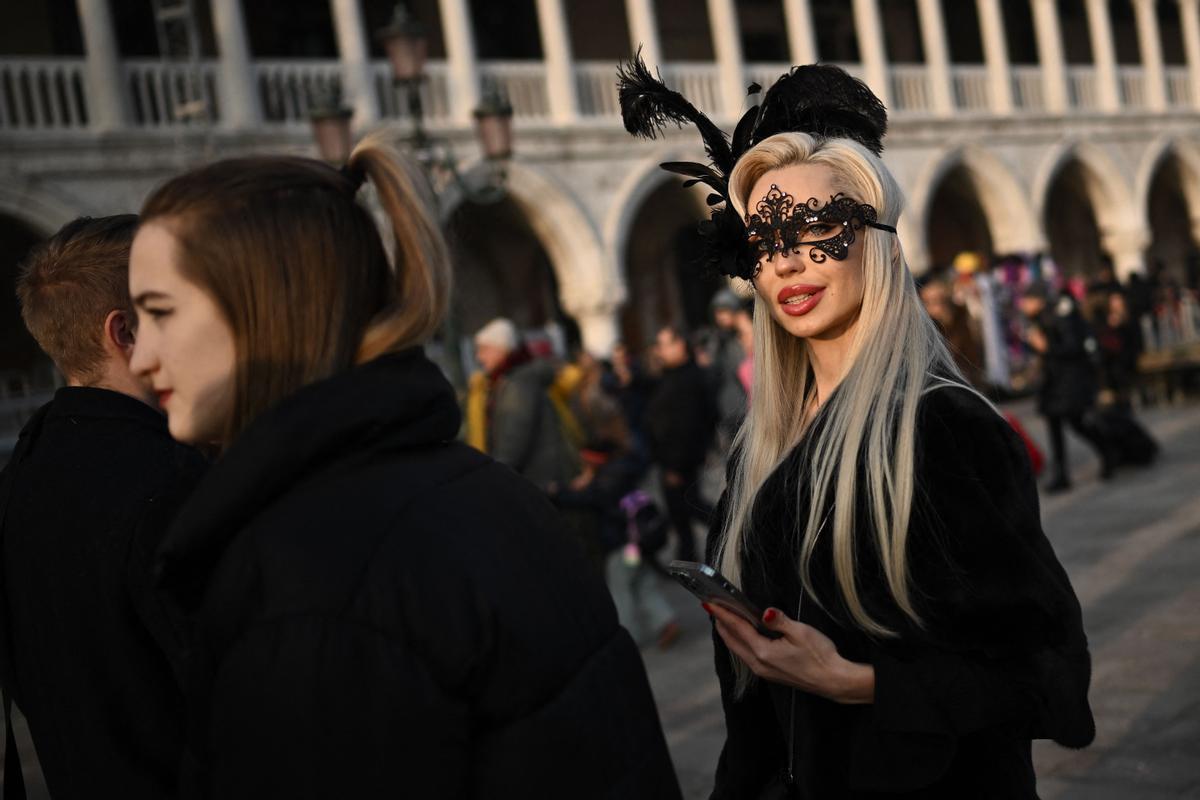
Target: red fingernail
pixel 769 615
pixel 707 608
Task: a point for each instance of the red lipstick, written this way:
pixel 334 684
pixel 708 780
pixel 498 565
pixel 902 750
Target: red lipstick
pixel 798 309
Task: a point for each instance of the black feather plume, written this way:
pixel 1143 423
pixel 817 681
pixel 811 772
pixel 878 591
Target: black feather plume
pixel 647 105
pixel 824 100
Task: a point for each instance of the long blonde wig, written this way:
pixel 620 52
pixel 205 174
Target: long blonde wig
pixel 869 422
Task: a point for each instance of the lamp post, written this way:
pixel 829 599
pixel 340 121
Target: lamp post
pixel 404 39
pixel 330 121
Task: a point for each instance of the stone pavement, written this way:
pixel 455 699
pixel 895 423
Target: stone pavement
pixel 1132 548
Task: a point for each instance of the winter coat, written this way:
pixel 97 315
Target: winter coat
pixel 1069 365
pixel 384 612
pixel 96 658
pixel 681 418
pixel 1001 658
pixel 525 430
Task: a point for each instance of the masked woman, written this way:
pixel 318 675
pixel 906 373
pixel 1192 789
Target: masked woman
pixel 881 512
pixel 379 611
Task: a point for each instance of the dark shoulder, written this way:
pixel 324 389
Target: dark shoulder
pixel 957 410
pixel 956 425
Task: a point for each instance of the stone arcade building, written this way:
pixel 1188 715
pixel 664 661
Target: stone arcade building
pixel 1064 127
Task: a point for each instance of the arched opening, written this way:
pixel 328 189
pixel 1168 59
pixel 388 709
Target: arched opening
pixel 501 269
pixel 1173 250
pixel 956 221
pixel 666 284
pixel 1072 233
pixel 27 376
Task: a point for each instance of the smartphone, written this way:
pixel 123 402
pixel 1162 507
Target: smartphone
pixel 713 587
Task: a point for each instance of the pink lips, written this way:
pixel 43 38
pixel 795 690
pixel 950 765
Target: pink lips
pixel 163 396
pixel 800 309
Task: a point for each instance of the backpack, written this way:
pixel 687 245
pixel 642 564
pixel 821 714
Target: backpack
pixel 645 524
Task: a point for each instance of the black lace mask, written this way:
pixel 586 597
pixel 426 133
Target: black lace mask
pixel 779 225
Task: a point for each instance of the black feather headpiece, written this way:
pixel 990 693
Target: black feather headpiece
pixel 820 99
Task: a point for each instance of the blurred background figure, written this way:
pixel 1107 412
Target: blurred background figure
pixel 1061 338
pixel 729 352
pixel 511 414
pixel 680 421
pixel 953 320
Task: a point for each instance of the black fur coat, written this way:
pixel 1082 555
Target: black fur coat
pixel 1000 660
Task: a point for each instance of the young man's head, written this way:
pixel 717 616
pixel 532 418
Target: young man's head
pixel 74 296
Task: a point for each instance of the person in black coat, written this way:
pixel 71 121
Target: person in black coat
pixel 909 630
pixel 1069 355
pixel 680 421
pixel 90 654
pixel 381 611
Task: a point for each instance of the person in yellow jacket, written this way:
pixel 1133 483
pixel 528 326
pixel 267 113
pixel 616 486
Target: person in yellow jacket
pixel 517 408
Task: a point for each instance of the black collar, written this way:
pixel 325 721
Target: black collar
pixel 94 403
pixel 398 401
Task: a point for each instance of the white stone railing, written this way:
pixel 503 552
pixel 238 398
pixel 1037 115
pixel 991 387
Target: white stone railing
pixel 164 94
pixel 1131 84
pixel 42 93
pixel 699 82
pixel 1081 88
pixel 910 89
pixel 287 90
pixel 1027 90
pixel 972 92
pixel 523 83
pixel 596 87
pixel 1179 87
pixel 50 94
pixel 435 92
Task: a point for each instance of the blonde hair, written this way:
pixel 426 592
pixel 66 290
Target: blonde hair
pixel 300 268
pixel 868 423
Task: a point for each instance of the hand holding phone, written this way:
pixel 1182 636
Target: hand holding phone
pixel 712 587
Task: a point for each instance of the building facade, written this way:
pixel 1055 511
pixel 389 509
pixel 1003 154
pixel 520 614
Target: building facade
pixel 1066 128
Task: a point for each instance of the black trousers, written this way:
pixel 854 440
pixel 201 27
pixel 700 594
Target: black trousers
pixel 685 505
pixel 1085 429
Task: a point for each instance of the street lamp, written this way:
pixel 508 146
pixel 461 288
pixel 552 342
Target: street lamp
pixel 406 45
pixel 330 121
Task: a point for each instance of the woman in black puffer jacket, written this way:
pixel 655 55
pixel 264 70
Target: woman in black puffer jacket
pixel 379 611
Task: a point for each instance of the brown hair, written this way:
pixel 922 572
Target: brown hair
pixel 299 268
pixel 69 284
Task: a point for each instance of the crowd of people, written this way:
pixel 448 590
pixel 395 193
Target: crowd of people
pixel 1081 343
pixel 619 444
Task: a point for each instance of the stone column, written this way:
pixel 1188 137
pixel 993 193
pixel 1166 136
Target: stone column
pixel 355 51
pixel 872 50
pixel 802 44
pixel 1150 45
pixel 106 104
pixel 1050 55
pixel 460 57
pixel 727 44
pixel 643 31
pixel 239 106
pixel 1189 15
pixel 560 67
pixel 937 57
pixel 1127 249
pixel 599 328
pixel 1104 54
pixel 995 54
